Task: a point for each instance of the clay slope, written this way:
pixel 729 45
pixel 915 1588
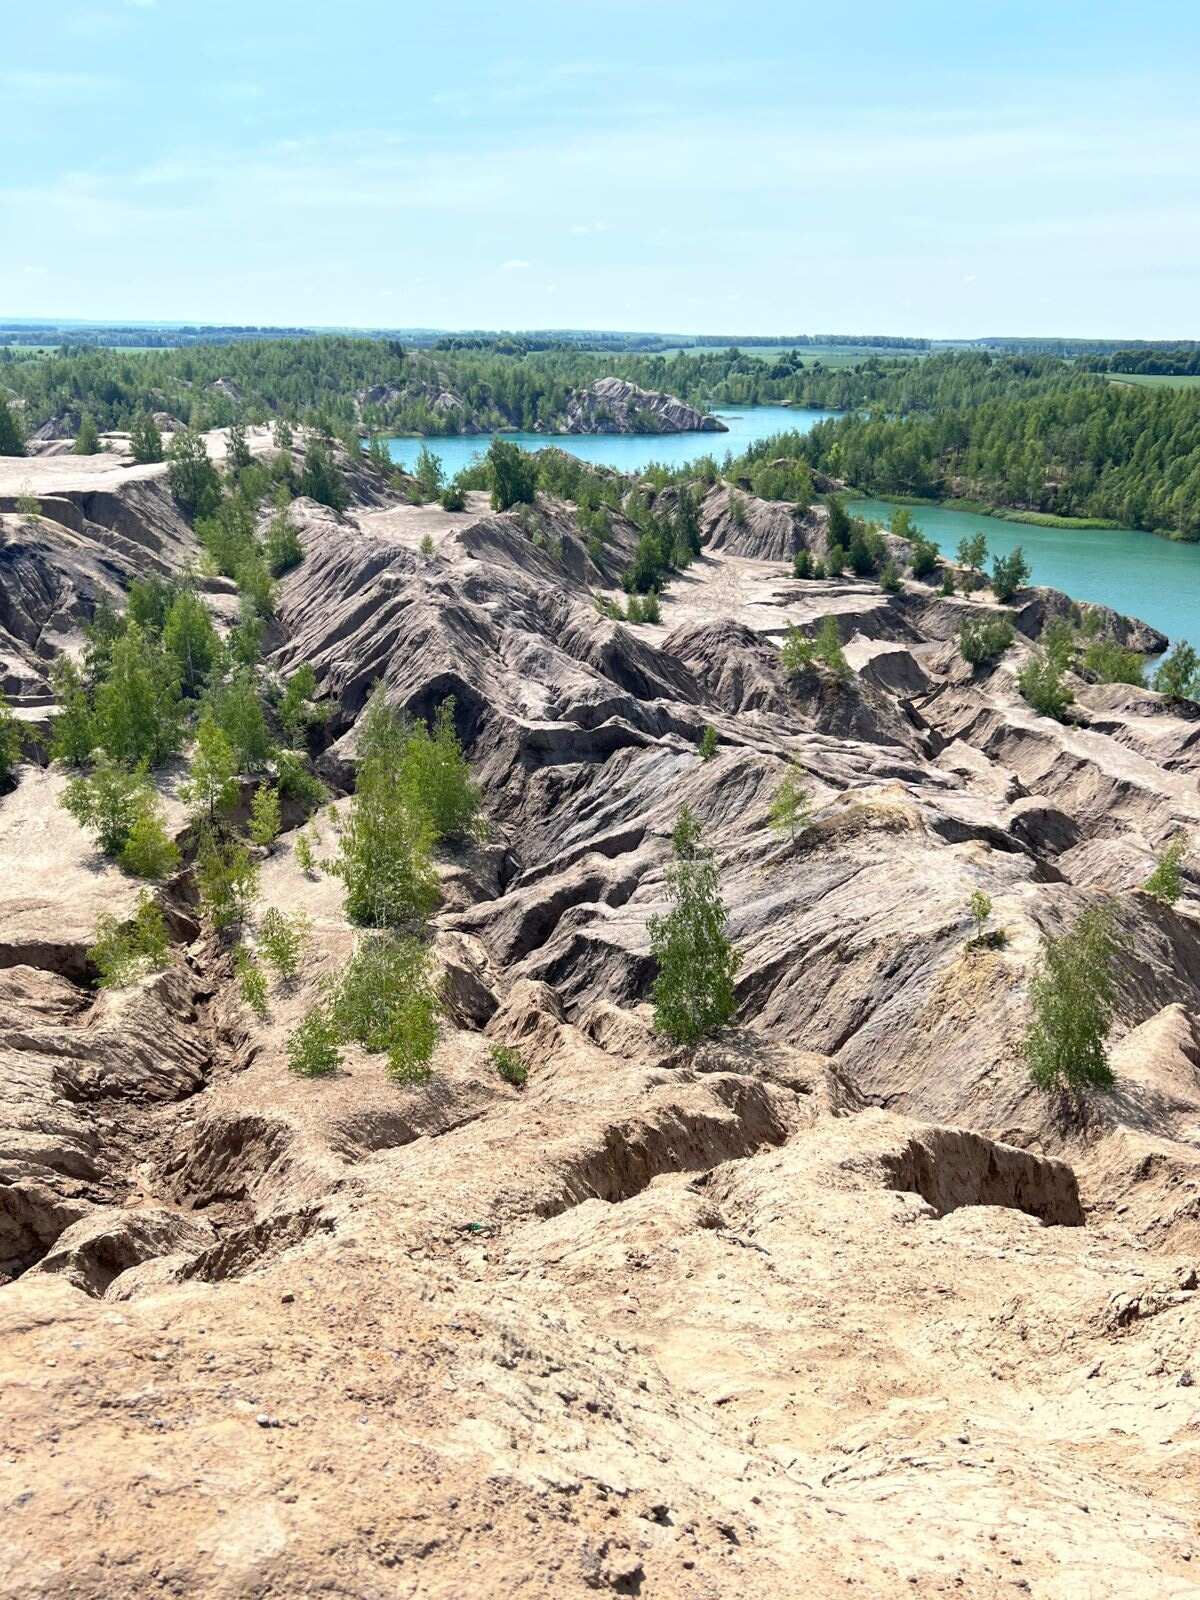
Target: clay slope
pixel 836 1303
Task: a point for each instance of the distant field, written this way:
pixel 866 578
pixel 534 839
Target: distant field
pixel 831 355
pixel 122 349
pixel 1157 380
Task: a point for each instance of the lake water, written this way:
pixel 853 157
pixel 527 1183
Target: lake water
pixel 1137 573
pixel 627 452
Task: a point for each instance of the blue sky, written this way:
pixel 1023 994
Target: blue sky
pixel 950 169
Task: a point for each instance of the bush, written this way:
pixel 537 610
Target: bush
pixel 948 582
pixel 296 712
pixel 149 851
pixel 10 740
pixel 211 785
pixel 264 815
pixel 293 779
pixel 191 476
pixel 126 951
pixel 189 637
pixel 512 474
pixel 428 474
pixel 924 559
pixel 985 640
pixel 453 496
pixel 1165 883
pixel 321 478
pixel 1108 662
pixel 238 711
pixel 145 440
pixel 71 734
pixel 1009 575
pixel 388 1001
pixel 1040 681
pixel 651 610
pixel 282 549
pixel 313 1046
pixel 1178 674
pixel 980 907
pixel 435 777
pixel 802 566
pixel 137 715
pixel 227 879
pixel 708 744
pixel 693 992
pixel 306 856
pixel 109 801
pixel 252 982
pixel 509 1064
pixel 790 808
pixel 835 560
pixel 282 941
pixel 12 439
pixel 87 442
pixel 889 579
pixel 1072 997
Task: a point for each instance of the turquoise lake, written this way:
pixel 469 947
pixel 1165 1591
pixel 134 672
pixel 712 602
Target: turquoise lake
pixel 1137 573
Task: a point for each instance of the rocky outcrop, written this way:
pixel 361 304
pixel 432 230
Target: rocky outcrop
pixel 613 405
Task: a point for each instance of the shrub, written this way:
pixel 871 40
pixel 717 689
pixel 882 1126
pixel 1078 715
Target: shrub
pixel 149 851
pixel 435 777
pixel 453 496
pixel 238 711
pixel 985 639
pixel 211 785
pixel 71 734
pixel 835 560
pixel 1041 683
pixel 282 941
pixel 790 808
pixel 10 740
pixel 802 566
pixel 282 549
pixel 827 647
pixel 293 779
pixel 512 475
pixel 1178 674
pixel 426 546
pixel 189 637
pixel 191 476
pixel 227 879
pixel 693 992
pixel 924 559
pixel 509 1064
pixel 123 952
pixel 264 815
pixel 306 856
pixel 1165 883
pixel 651 609
pixel 252 982
pixel 1109 662
pixel 708 744
pixel 87 442
pixel 980 907
pixel 1072 997
pixel 973 553
pixel 889 579
pixel 1009 575
pixel 295 710
pixel 145 440
pixel 109 802
pixel 12 439
pixel 388 1001
pixel 138 717
pixel 947 582
pixel 313 1047
pixel 321 478
pixel 797 652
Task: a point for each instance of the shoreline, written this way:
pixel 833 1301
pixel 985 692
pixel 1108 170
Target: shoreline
pixel 1035 519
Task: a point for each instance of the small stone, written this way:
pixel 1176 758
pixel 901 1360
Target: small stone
pixel 1185 1379
pixel 286 1299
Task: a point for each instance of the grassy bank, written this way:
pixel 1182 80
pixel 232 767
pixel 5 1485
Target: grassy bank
pixel 980 508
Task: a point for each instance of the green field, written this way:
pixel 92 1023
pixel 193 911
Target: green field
pixel 1157 380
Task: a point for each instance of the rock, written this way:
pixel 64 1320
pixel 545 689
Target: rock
pixel 612 405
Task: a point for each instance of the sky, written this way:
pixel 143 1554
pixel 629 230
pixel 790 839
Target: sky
pixel 945 169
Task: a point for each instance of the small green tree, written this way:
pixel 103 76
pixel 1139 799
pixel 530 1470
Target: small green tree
pixel 71 734
pixel 1040 681
pixel 453 496
pixel 838 531
pixel 973 554
pixel 708 743
pixel 188 635
pixel 510 1065
pixel 797 652
pixel 10 740
pixel 1072 995
pixel 1178 674
pixel 802 564
pixel 693 992
pixel 827 647
pixel 791 807
pixel 980 907
pixel 138 717
pixel 125 951
pixel 313 1049
pixel 295 709
pixel 1010 574
pixel 87 440
pixel 428 474
pixel 435 777
pixel 238 710
pixel 388 1000
pixel 282 549
pixel 306 855
pixel 985 639
pixel 1108 662
pixel 321 478
pixel 12 439
pixel 145 441
pixel 211 786
pixel 512 474
pixel 108 802
pixel 282 941
pixel 264 815
pixel 227 878
pixel 1165 883
pixel 252 982
pixel 191 476
pixel 149 851
pixel 237 451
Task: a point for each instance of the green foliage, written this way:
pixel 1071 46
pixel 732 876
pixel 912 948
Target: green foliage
pixel 693 992
pixel 1165 883
pixel 87 441
pixel 245 640
pixel 384 850
pixel 295 710
pixel 109 801
pixel 149 851
pixel 985 639
pixel 211 786
pixel 783 479
pixel 10 740
pixel 835 560
pixel 264 815
pixel 802 564
pixel 1178 673
pixel 191 476
pixel 12 438
pixel 435 778
pixel 145 440
pixel 426 546
pixel 313 1046
pixel 238 711
pixel 889 579
pixel 321 478
pixel 973 552
pixel 838 530
pixel 980 907
pixel 388 1001
pixel 293 779
pixel 150 601
pixel 28 504
pixel 651 608
pixel 189 636
pixel 453 496
pixel 282 941
pixel 1108 662
pixel 137 716
pixel 252 981
pixel 708 743
pixel 510 1065
pixel 1040 681
pixel 512 475
pixel 306 856
pixel 1072 995
pixel 282 549
pixel 124 952
pixel 428 474
pixel 791 808
pixel 227 879
pixel 1010 574
pixel 799 652
pixel 237 451
pixel 924 559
